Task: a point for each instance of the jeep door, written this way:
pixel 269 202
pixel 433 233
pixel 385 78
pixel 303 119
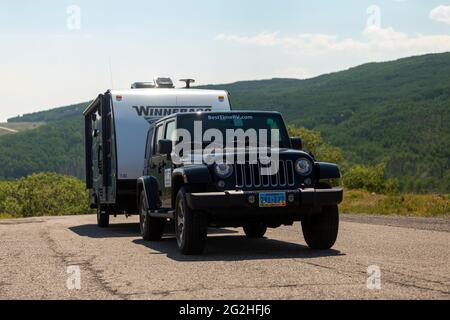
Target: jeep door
pixel 156 165
pixel 167 167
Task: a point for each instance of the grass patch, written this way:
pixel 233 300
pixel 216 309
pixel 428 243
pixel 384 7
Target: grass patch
pixel 6 216
pixel 49 194
pixel 363 202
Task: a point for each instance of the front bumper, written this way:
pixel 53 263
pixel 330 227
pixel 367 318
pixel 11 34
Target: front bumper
pixel 302 198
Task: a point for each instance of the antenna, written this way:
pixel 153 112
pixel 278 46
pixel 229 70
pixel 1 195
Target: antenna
pixel 111 73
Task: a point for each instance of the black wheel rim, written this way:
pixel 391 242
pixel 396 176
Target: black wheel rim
pixel 142 217
pixel 181 214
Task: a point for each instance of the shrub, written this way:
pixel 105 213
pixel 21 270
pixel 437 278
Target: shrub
pixel 370 178
pixel 313 142
pixel 43 194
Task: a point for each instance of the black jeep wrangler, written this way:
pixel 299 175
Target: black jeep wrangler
pixel 196 194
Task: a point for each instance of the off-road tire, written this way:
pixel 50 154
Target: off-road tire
pixel 152 229
pixel 191 227
pixel 320 229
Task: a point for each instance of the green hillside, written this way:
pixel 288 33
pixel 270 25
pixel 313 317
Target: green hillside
pixel 55 147
pixel 395 112
pixel 63 113
pixel 15 127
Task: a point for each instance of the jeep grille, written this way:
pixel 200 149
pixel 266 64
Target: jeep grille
pixel 249 176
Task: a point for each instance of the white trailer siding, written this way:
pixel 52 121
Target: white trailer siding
pixel 134 110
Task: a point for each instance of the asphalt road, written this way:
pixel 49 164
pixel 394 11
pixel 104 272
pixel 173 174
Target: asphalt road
pixel 413 257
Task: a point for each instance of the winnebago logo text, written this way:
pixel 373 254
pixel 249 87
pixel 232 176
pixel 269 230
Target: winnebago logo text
pixel 166 111
pixel 151 114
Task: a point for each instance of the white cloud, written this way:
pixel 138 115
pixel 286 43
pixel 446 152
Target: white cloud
pixel 377 41
pixel 378 34
pixel 262 39
pixel 273 39
pixel 441 14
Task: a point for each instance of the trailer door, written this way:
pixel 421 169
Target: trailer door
pixel 108 151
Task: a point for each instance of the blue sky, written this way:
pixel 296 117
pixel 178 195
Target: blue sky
pixel 48 59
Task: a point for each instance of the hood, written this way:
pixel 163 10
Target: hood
pixel 284 154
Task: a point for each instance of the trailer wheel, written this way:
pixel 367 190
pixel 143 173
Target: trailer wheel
pixel 102 218
pixel 255 230
pixel 152 229
pixel 191 227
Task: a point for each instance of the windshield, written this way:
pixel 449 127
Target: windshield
pixel 253 124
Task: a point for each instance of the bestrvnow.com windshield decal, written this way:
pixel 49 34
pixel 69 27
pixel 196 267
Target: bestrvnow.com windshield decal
pixel 223 117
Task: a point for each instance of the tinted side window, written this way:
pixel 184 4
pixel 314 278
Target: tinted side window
pixel 170 129
pixel 159 135
pixel 148 147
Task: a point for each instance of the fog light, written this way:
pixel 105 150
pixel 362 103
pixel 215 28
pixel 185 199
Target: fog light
pixel 252 199
pixel 291 198
pixel 308 181
pixel 221 184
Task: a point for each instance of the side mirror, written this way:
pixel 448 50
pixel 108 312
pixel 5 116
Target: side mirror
pixel 297 143
pixel 165 147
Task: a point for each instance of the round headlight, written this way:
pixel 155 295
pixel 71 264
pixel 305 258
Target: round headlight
pixel 223 170
pixel 304 166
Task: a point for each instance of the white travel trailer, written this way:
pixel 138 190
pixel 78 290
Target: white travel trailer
pixel 116 127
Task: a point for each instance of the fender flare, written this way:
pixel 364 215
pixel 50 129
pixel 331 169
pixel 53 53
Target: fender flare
pixel 328 171
pixel 151 188
pixel 193 175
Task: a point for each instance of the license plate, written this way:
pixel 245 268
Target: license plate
pixel 272 199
